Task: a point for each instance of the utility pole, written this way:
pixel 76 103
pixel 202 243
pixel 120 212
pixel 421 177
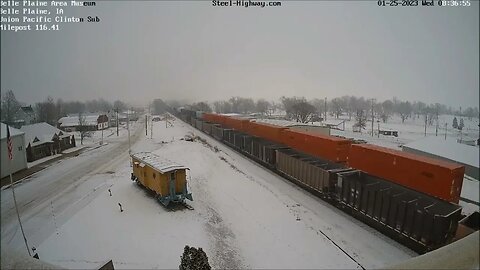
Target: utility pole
pixel 373 119
pixel 325 118
pixel 445 131
pixel 117 120
pixel 128 128
pixel 378 123
pixel 426 118
pixel 151 127
pixel 146 124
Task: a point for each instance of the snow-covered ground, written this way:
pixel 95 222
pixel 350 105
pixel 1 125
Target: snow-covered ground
pixel 244 217
pixel 42 160
pixel 411 130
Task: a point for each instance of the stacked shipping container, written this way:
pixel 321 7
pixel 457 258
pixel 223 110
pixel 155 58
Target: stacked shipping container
pixel 434 177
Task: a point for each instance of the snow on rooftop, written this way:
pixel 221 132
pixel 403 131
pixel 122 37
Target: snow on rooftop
pixel 70 121
pixel 13 131
pixel 448 148
pixel 333 122
pixel 282 123
pixel 42 131
pixel 155 161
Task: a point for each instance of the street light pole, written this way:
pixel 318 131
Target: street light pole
pixel 117 121
pixel 445 131
pixel 325 118
pixel 128 128
pixel 378 123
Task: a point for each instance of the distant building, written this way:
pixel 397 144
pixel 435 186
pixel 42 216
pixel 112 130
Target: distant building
pixel 156 118
pixel 449 150
pixel 43 140
pixel 25 116
pixel 122 118
pixel 388 132
pixel 324 130
pixel 132 115
pixel 91 122
pixel 19 161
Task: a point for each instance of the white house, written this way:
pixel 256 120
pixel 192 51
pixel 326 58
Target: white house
pixel 19 161
pixel 91 122
pixel 25 116
pixel 42 139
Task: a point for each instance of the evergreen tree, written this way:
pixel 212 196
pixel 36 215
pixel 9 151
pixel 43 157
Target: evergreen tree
pixel 455 122
pixel 360 120
pixel 461 125
pixel 194 259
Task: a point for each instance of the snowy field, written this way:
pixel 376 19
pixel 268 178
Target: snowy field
pixel 411 130
pixel 244 217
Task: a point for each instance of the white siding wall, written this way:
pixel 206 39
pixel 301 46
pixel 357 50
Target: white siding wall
pixel 315 129
pixel 19 161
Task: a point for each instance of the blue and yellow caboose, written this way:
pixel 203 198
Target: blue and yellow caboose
pixel 166 178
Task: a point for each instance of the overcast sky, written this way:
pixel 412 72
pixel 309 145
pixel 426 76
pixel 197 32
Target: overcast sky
pixel 192 50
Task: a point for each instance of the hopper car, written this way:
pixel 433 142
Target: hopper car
pixel 167 179
pixel 418 219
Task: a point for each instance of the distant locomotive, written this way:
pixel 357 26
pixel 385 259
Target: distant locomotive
pixel 419 216
pixel 167 179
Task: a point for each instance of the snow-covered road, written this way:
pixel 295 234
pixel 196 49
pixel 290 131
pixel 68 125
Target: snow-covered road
pixel 58 190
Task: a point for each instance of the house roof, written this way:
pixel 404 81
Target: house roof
pixel 283 123
pixel 40 133
pixel 448 149
pixel 13 131
pixel 28 109
pixel 72 121
pixel 158 163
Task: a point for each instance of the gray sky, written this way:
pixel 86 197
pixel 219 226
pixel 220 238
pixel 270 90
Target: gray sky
pixel 192 50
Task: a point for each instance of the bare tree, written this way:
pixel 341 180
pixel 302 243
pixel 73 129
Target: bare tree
pixel 82 127
pixel 386 110
pixel 337 107
pixel 404 110
pixel 47 111
pixel 289 103
pixel 201 106
pixel 303 111
pixel 9 107
pixel 120 105
pixel 262 106
pixel 222 107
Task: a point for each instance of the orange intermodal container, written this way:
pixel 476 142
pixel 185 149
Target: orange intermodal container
pixel 236 123
pixel 322 146
pixel 214 118
pixel 266 131
pixel 210 117
pixel 435 177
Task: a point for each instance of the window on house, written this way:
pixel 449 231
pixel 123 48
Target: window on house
pixel 20 148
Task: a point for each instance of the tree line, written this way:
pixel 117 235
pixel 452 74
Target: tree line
pixel 50 110
pixel 302 110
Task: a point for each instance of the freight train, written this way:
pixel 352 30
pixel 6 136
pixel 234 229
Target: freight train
pixel 411 199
